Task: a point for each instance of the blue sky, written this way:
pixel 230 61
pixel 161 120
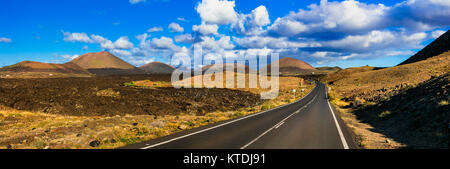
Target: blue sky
pixel 323 33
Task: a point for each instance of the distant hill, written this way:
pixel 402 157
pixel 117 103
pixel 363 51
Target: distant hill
pixel 31 69
pixel 292 66
pixel 105 63
pixel 218 67
pixel 157 68
pixel 31 66
pixel 437 47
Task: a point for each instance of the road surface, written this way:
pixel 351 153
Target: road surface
pixel 309 123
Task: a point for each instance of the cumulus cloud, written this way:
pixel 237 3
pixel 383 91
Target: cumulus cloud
pixel 67 56
pixel 257 42
pixel 341 17
pixel 163 43
pixel 206 29
pixel 155 29
pixel 174 27
pixel 139 61
pixel 224 43
pixel 217 11
pixel 185 38
pixel 375 40
pixel 123 43
pixel 76 37
pixel 182 19
pixel 6 40
pixel 121 52
pixel 337 19
pixel 251 24
pixel 421 14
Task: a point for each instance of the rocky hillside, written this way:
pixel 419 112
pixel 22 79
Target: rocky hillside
pixel 157 68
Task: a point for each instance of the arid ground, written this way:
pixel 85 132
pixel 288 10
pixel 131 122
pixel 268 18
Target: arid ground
pixel 108 112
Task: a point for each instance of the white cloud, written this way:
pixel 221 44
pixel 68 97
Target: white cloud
pixel 377 40
pixel 217 11
pixel 224 43
pixel 206 29
pixel 287 27
pixel 104 43
pixel 6 40
pixel 77 37
pixel 182 19
pixel 136 1
pixel 67 56
pixel 121 52
pixel 155 29
pixel 345 17
pixel 435 34
pixel 123 43
pixel 251 24
pixel 260 16
pixel 140 60
pixel 163 43
pixel 267 42
pixel 174 27
pixel 185 38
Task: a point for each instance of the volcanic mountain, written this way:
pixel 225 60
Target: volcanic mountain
pixel 105 63
pixel 437 47
pixel 157 68
pixel 291 66
pixel 30 66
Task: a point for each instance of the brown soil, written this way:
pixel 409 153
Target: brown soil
pixel 107 96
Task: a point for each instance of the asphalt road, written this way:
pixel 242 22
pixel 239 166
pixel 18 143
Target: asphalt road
pixel 309 123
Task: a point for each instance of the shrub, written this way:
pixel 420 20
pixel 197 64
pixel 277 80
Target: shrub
pixel 385 114
pixel 238 114
pixel 265 107
pixel 130 84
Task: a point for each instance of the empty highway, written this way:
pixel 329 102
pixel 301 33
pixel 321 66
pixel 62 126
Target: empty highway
pixel 309 123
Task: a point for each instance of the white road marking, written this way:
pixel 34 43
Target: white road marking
pixel 276 125
pixel 344 142
pixel 279 124
pixel 220 125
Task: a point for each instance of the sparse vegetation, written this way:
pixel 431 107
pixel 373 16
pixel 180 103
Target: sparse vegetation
pixel 108 93
pixel 130 84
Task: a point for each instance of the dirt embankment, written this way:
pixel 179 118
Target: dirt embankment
pixel 107 96
pixel 399 107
